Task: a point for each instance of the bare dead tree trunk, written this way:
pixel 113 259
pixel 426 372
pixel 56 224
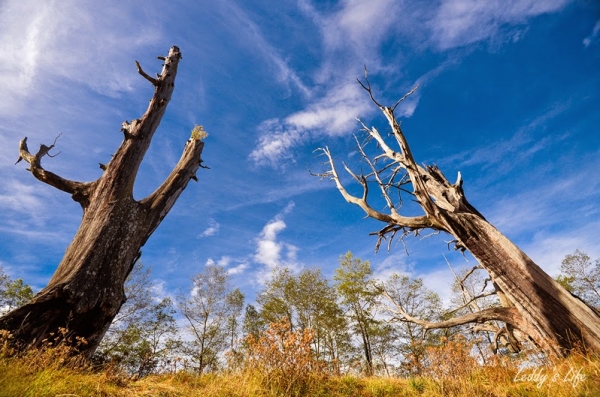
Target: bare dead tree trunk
pixel 550 316
pixel 86 291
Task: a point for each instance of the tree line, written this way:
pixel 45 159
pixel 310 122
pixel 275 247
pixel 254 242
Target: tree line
pixel 358 323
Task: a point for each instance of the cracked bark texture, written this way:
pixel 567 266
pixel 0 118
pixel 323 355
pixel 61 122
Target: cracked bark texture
pixel 86 291
pixel 551 317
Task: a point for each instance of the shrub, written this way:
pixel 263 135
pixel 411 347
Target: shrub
pixel 283 360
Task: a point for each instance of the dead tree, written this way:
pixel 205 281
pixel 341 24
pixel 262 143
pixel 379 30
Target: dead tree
pixel 86 291
pixel 535 304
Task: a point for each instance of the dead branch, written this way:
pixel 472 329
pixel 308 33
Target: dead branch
pixel 504 314
pixel 405 96
pixel 417 222
pixel 79 191
pixel 146 75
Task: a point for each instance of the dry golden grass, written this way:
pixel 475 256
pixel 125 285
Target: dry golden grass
pixel 279 364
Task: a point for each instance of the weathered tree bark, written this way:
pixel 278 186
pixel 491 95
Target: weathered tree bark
pixel 86 291
pixel 538 306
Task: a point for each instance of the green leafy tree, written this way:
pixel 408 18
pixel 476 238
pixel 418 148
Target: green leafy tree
pixel 358 294
pixel 276 299
pixel 253 324
pixel 15 294
pixel 144 335
pixel 385 345
pixel 235 303
pixel 147 346
pixel 406 299
pixel 581 276
pixel 308 302
pixel 209 309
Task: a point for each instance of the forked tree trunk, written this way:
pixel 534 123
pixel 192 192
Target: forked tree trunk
pixel 86 291
pixel 535 304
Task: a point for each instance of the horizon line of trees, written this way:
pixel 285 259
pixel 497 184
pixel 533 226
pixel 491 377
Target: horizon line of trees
pixel 357 324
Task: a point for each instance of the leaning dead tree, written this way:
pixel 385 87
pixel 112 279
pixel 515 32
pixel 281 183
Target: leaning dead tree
pixel 86 291
pixel 533 302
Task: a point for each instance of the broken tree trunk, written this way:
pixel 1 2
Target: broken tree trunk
pixel 86 291
pixel 538 306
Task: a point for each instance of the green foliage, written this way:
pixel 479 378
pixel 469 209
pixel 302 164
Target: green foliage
pixel 566 282
pixel 212 310
pixel 253 323
pixel 359 295
pixel 416 300
pixel 143 338
pixel 13 293
pixel 308 301
pixel 581 276
pixel 17 294
pixel 144 347
pixel 235 302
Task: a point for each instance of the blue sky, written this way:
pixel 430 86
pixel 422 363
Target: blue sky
pixel 509 95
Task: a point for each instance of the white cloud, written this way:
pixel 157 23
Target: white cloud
pixel 355 31
pixel 393 264
pixel 360 26
pixel 158 290
pixel 275 143
pixel 52 39
pixel 239 269
pixel 272 253
pixel 461 22
pixel 440 282
pixel 593 36
pixel 212 229
pixel 223 262
pixel 332 115
pixel 227 261
pixel 335 113
pixel 268 251
pixel 16 196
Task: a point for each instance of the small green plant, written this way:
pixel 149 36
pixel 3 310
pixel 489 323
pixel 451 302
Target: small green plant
pixel 417 384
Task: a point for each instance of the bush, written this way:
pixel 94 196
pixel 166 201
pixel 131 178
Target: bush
pixel 283 360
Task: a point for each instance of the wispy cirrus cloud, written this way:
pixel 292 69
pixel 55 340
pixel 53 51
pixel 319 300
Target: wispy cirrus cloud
pixel 251 34
pixel 521 145
pixel 339 99
pixel 593 36
pixel 355 32
pixel 54 41
pixel 458 23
